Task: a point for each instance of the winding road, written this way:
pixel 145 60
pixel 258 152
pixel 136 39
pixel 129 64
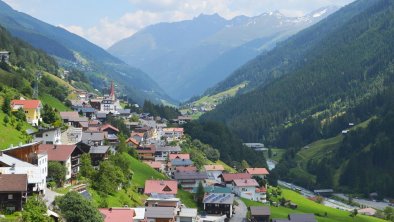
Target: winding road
pixel 240 212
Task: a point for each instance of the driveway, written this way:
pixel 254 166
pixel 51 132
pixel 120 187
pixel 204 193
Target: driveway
pixel 240 211
pixel 50 197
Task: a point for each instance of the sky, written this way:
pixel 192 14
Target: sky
pixel 105 22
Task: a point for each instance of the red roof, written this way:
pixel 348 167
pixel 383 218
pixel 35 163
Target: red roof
pixel 213 167
pixel 132 140
pixel 57 152
pixel 228 177
pixel 106 126
pixel 27 104
pixel 186 169
pixel 161 186
pixel 184 156
pixel 257 171
pixel 117 214
pixel 261 190
pixel 153 164
pixel 246 183
pixel 13 182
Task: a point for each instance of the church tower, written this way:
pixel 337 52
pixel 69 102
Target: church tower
pixel 112 91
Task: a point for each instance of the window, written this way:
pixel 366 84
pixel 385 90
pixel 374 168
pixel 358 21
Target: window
pixel 10 196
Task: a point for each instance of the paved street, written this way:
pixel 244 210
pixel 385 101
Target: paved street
pixel 364 202
pixel 240 211
pixel 50 197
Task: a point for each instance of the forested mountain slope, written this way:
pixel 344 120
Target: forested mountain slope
pixel 75 52
pixel 346 78
pixel 291 54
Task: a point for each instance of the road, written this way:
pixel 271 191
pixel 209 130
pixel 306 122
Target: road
pixel 240 211
pixel 327 202
pixel 50 197
pixel 364 202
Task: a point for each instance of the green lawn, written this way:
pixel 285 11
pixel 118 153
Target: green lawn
pixel 9 135
pixel 143 172
pixel 308 206
pixel 187 198
pixel 277 154
pixel 226 167
pixel 53 102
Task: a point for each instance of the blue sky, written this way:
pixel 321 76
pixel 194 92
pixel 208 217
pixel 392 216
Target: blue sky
pixel 104 22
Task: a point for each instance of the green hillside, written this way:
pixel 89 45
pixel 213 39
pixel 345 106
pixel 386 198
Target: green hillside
pixel 308 206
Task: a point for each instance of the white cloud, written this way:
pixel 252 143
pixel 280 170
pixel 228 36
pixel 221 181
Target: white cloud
pixel 106 31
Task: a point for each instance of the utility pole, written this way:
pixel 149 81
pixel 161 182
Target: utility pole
pixel 35 90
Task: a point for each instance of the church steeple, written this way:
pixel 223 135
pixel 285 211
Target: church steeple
pixel 112 91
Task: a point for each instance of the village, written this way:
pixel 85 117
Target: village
pixel 155 142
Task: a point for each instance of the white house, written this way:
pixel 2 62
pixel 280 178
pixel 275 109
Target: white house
pixel 245 188
pixel 258 172
pixel 214 171
pixel 48 136
pixel 36 173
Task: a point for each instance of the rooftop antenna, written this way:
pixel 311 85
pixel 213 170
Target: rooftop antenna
pixel 35 90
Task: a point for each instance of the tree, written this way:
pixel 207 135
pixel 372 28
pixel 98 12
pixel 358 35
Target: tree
pixel 86 168
pixel 389 213
pixel 200 193
pixel 35 210
pixel 6 120
pixel 354 213
pixel 244 164
pixel 269 153
pixel 49 115
pixel 6 106
pixel 57 172
pixel 20 114
pixel 75 208
pixel 108 178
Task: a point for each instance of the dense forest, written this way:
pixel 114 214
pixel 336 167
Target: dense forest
pixel 232 151
pixel 347 67
pixel 24 64
pixel 344 76
pixel 163 111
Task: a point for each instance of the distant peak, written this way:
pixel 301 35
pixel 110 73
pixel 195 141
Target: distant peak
pixel 211 16
pixel 323 11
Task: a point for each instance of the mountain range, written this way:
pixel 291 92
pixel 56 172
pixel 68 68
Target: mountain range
pixel 72 51
pixel 315 86
pixel 187 57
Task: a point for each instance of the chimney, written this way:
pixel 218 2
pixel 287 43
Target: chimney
pixel 55 147
pixel 110 209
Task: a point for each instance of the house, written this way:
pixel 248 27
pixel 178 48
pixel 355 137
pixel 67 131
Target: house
pixel 5 56
pixel 48 136
pixel 162 152
pixel 172 134
pixel 184 156
pixel 115 214
pixel 258 172
pixel 110 104
pixel 187 215
pixel 160 214
pixel 73 119
pixel 26 159
pixel 162 200
pixel 171 166
pixel 227 178
pixel 99 154
pixel 86 111
pixel 36 175
pixel 219 204
pixel 146 152
pixel 139 137
pixel 214 171
pixel 32 109
pixel 111 133
pixel 93 138
pixel 214 189
pixel 169 187
pixel 139 214
pixel 67 155
pixel 297 218
pixel 245 188
pixel 260 213
pixel 13 191
pixel 186 169
pixel 261 194
pixel 158 166
pixel 132 142
pixel 190 180
pixel 367 211
pixel 183 119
